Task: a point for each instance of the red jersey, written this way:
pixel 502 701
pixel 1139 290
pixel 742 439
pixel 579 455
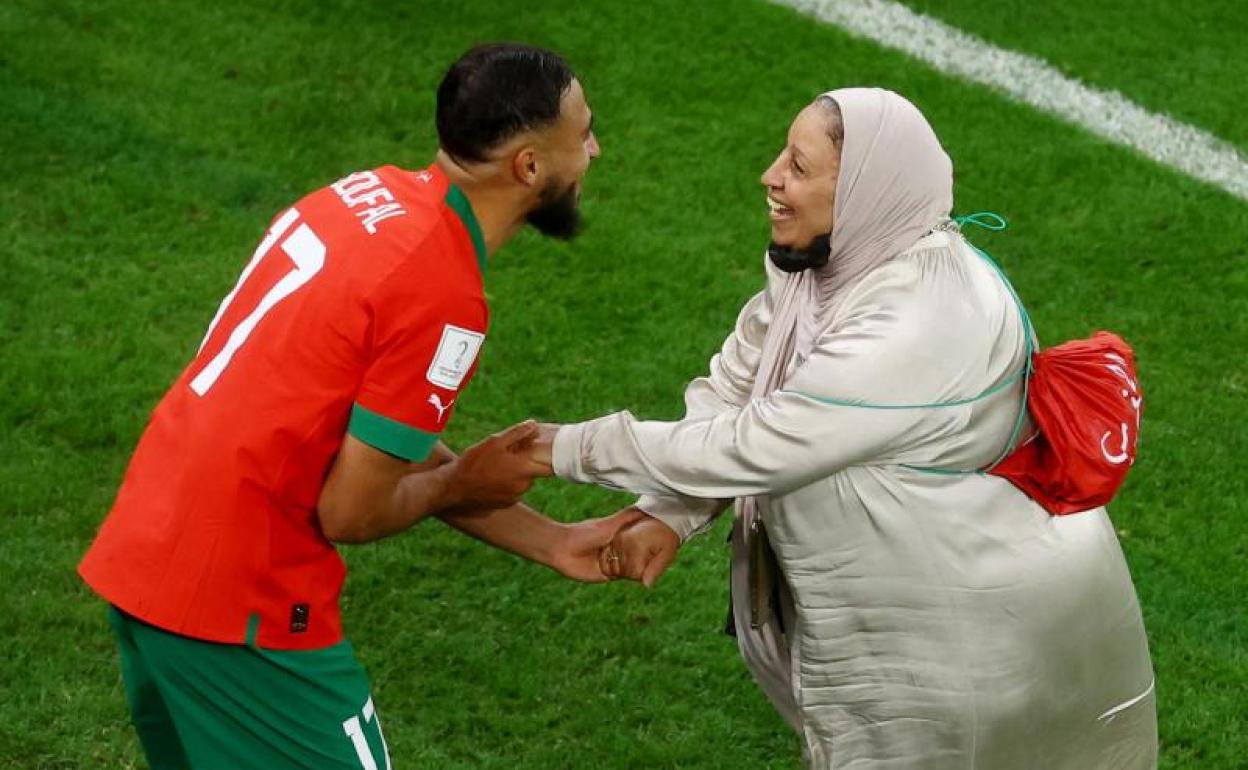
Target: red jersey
pixel 361 311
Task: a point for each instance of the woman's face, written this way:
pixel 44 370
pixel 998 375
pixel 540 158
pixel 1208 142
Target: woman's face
pixel 801 182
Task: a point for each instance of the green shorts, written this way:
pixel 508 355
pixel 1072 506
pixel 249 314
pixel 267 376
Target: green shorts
pixel 209 706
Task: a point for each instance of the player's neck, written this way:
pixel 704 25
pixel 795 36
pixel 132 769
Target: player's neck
pixel 497 212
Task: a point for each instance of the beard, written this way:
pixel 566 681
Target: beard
pixel 792 260
pixel 556 214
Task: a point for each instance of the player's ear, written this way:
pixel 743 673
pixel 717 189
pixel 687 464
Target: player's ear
pixel 524 165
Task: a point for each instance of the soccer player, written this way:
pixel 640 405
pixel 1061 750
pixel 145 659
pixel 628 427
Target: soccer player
pixel 311 414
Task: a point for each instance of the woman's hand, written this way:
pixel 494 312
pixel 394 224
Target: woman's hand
pixel 575 553
pixel 640 551
pixel 541 447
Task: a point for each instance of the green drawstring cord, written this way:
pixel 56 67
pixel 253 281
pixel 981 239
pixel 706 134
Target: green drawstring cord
pixel 989 220
pixel 993 222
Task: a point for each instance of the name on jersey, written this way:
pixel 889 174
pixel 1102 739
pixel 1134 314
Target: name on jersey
pixel 363 191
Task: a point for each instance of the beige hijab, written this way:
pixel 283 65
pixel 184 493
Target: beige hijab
pixel 895 185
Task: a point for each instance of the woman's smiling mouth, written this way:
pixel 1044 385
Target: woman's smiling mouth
pixel 778 210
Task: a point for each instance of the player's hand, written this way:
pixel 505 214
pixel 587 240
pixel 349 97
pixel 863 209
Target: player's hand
pixel 576 553
pixel 641 551
pixel 496 472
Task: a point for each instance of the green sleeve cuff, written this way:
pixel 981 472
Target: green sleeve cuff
pixel 390 436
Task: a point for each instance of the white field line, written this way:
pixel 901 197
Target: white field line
pixel 1027 79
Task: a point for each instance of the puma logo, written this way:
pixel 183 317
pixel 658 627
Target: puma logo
pixel 436 401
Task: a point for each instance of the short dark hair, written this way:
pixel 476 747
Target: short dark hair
pixel 496 91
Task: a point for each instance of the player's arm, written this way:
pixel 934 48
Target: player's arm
pixel 572 550
pixel 370 494
pixel 363 473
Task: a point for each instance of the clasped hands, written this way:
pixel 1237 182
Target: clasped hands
pixel 627 544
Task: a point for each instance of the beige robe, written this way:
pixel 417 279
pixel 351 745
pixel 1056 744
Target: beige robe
pixel 937 620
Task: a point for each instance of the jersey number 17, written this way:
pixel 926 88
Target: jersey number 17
pixel 305 250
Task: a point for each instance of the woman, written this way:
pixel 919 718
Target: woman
pixel 927 617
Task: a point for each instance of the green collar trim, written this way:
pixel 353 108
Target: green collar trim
pixel 458 202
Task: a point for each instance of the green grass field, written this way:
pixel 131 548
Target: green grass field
pixel 143 147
